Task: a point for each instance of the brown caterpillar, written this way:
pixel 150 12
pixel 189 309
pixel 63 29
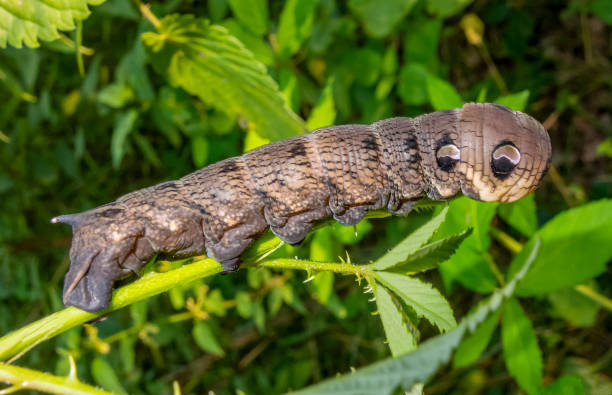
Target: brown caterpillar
pixel 487 151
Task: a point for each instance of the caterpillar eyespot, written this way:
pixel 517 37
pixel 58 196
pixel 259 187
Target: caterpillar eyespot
pixel 487 151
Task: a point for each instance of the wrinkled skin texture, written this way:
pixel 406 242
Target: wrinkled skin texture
pixel 338 171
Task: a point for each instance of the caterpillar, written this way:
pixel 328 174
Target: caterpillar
pixel 487 151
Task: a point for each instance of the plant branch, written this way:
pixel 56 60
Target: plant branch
pixel 23 379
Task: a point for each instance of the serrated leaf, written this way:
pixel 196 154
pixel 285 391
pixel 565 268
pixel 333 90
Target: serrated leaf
pixel 417 366
pixel 431 255
pixel 423 298
pixel 400 338
pixel 26 21
pixel 473 345
pixel 576 246
pixel 521 350
pixel 294 25
pixel 205 338
pixel 410 244
pixel 324 112
pixel 207 61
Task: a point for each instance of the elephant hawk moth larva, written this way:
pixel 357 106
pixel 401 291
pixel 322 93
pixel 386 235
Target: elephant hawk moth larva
pixel 487 151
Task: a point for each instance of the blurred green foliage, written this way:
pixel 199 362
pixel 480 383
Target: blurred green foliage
pixel 236 74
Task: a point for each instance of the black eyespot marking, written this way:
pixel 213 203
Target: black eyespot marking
pixel 447 153
pixel 504 159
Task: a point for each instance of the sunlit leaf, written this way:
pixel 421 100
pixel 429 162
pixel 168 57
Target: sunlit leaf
pixel 252 14
pixel 208 62
pixel 423 298
pixel 576 246
pixel 521 215
pixel 394 322
pixel 26 21
pixel 521 351
pixel 401 252
pixel 417 366
pixel 294 25
pixel 324 112
pixel 442 95
pixel 516 101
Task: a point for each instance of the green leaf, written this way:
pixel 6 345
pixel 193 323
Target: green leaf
pixel 26 21
pixel 208 62
pixel 521 350
pixel 324 112
pixel 323 286
pixel 566 385
pixel 410 244
pixel 516 101
pixel 473 345
pixel 446 8
pixel 396 324
pixel 412 87
pixel 573 307
pixel 423 298
pixel 432 254
pixel 252 14
pixel 469 265
pixel 199 151
pixel 260 49
pixel 521 215
pixel 603 10
pixel 123 127
pixel 104 374
pixel 421 41
pixel 205 338
pixel 576 245
pixel 442 95
pixel 294 25
pixel 116 95
pixel 381 17
pixel 418 366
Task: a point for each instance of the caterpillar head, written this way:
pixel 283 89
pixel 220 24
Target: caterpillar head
pixel 106 245
pixel 489 151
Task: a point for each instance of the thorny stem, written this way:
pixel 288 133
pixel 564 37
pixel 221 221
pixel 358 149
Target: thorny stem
pixel 515 246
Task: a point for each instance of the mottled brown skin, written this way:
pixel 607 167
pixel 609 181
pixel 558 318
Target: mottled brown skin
pixel 339 171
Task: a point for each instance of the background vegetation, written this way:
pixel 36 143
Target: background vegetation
pixel 127 97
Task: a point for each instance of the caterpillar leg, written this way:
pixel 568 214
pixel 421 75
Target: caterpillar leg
pixel 234 241
pixel 296 227
pixel 352 215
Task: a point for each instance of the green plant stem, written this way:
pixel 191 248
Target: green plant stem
pixel 23 379
pixel 16 343
pixel 595 296
pixel 297 264
pixel 515 246
pixel 506 240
